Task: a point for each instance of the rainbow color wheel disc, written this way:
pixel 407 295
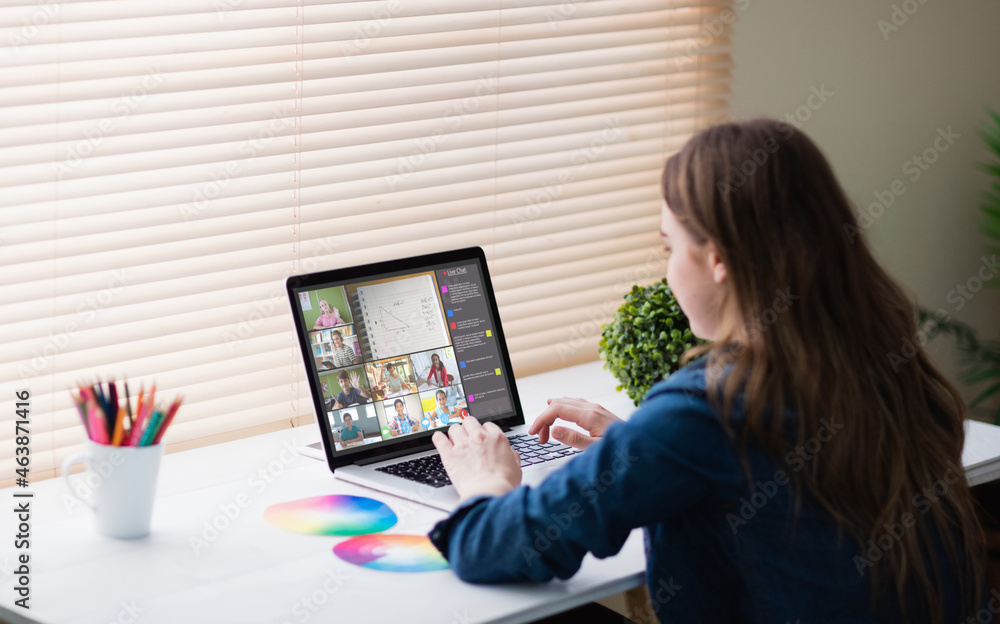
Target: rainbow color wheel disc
pixel 335 514
pixel 392 553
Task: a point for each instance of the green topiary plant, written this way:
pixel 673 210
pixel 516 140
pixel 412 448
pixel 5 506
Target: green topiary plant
pixel 644 341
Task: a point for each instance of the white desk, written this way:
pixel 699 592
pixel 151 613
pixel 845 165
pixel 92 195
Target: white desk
pixel 250 571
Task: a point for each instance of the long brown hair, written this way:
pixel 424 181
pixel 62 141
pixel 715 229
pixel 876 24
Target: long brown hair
pixel 842 347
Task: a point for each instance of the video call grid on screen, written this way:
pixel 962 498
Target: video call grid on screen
pixel 405 353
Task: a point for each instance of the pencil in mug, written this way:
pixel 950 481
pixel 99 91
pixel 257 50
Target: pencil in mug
pixel 116 438
pixel 147 419
pixel 112 413
pixel 167 419
pixel 106 421
pixel 81 408
pixel 97 425
pixel 141 409
pixel 87 412
pixel 101 404
pixel 128 407
pixel 147 434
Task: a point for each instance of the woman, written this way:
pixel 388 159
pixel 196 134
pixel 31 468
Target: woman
pixel 437 376
pixel 329 316
pixel 850 506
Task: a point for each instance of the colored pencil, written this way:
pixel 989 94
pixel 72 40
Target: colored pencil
pixel 106 421
pixel 81 408
pixel 138 416
pixel 167 419
pixel 116 437
pixel 96 426
pixel 102 409
pixel 128 405
pixel 113 408
pixel 140 424
pixel 150 432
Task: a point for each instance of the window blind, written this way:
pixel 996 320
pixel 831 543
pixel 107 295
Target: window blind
pixel 164 166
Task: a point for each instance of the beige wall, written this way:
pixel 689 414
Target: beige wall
pixel 891 93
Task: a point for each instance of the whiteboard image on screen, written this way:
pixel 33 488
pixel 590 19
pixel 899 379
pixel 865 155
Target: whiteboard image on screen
pixel 402 316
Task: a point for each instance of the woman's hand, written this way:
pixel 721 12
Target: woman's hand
pixel 478 458
pixel 591 416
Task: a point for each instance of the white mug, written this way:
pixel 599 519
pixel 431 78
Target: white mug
pixel 119 485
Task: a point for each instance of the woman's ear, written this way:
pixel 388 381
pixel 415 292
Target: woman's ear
pixel 718 268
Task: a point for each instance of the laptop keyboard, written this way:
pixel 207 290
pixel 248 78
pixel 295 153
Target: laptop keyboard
pixel 430 471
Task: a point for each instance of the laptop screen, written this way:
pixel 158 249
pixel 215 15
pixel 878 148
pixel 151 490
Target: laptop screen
pixel 399 354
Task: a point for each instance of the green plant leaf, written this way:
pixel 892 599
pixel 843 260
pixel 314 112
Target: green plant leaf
pixel 645 339
pixel 981 375
pixel 992 390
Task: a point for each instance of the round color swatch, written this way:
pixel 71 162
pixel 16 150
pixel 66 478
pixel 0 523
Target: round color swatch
pixel 392 553
pixel 335 514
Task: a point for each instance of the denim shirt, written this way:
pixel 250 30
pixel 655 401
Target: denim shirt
pixel 716 550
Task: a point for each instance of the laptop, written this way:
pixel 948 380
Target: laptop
pixel 397 350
